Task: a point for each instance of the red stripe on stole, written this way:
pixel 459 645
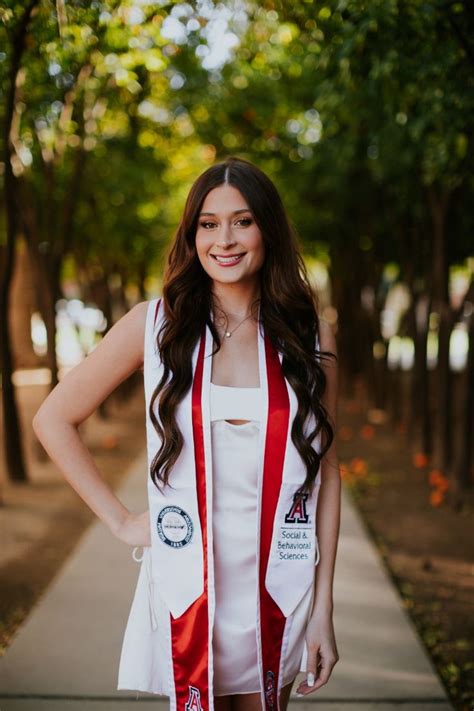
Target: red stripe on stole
pixel 190 631
pixel 272 620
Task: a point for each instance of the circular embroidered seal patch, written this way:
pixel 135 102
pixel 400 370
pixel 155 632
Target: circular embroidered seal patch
pixel 174 526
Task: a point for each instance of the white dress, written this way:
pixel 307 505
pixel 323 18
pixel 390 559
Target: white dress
pixel 234 453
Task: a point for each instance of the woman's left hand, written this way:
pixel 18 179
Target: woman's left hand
pixel 322 652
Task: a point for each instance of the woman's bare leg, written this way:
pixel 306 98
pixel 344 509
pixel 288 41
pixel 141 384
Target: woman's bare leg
pixel 246 702
pixel 285 695
pixel 223 703
pixel 252 702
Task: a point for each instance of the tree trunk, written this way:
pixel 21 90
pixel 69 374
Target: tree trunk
pixel 465 465
pixel 142 275
pixel 351 343
pixel 46 285
pixel 421 390
pixel 445 384
pixel 438 203
pixel 15 461
pixel 23 305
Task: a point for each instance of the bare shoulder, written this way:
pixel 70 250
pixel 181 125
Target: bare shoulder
pixel 327 340
pixel 129 330
pixel 137 315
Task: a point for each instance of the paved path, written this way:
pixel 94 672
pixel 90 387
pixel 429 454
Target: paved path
pixel 65 656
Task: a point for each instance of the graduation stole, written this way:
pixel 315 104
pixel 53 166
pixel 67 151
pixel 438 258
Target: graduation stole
pixel 181 525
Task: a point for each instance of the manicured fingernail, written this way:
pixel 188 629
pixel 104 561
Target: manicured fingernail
pixel 310 679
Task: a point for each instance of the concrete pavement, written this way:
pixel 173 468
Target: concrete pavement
pixel 65 656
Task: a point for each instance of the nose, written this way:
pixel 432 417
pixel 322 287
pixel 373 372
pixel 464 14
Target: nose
pixel 226 239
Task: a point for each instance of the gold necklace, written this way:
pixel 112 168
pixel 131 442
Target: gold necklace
pixel 228 333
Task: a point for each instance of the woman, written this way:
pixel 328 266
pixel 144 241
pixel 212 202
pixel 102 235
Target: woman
pixel 241 388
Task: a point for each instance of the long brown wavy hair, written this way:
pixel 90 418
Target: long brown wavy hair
pixel 288 313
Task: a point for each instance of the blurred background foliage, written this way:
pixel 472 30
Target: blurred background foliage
pixel 360 112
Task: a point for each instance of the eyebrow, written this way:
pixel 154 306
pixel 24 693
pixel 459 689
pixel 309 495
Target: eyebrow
pixel 245 209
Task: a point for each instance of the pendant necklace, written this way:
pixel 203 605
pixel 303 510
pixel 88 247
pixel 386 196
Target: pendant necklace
pixel 228 333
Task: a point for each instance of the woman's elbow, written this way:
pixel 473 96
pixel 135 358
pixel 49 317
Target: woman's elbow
pixel 44 419
pixel 39 422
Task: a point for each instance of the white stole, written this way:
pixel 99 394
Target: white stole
pixel 181 521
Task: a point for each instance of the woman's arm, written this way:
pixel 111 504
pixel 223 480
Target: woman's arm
pixel 73 400
pixel 329 499
pixel 320 638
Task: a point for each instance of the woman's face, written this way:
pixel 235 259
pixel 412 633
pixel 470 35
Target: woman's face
pixel 226 228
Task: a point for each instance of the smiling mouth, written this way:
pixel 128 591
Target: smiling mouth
pixel 233 259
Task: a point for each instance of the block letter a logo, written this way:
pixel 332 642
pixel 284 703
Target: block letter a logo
pixel 194 700
pixel 297 512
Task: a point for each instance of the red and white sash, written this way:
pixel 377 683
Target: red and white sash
pixel 182 533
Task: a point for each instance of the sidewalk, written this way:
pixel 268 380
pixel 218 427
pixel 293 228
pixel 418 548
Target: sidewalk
pixel 65 656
